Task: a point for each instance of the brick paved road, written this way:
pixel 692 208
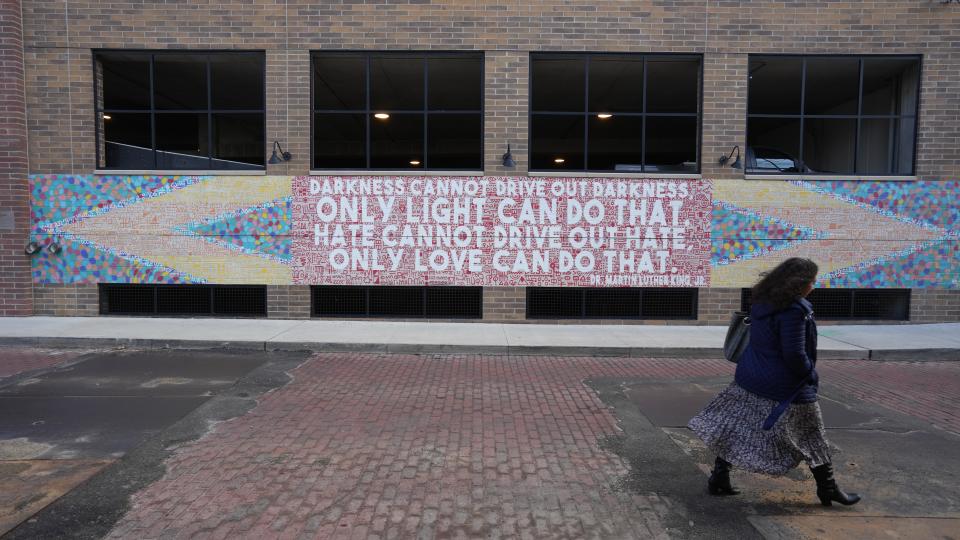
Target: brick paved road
pixel 925 390
pixel 361 445
pixel 17 360
pixel 401 446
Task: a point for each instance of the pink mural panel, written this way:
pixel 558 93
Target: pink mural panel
pixel 506 231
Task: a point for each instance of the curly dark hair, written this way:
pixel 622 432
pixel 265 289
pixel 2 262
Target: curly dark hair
pixel 786 283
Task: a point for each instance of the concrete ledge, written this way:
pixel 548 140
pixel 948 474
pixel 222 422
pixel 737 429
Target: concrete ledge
pixel 916 355
pixel 922 355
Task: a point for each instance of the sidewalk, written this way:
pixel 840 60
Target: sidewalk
pixel 875 342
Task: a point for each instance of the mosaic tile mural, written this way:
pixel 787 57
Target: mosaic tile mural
pixel 237 229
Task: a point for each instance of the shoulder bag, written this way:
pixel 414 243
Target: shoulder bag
pixel 738 336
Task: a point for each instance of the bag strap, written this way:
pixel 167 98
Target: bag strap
pixel 782 406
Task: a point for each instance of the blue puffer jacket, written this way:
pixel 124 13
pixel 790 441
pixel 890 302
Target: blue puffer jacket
pixel 782 352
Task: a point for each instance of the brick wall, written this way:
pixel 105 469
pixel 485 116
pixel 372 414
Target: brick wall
pixel 931 305
pixel 288 301
pixel 715 305
pixel 15 280
pixel 66 300
pixel 58 37
pixel 504 304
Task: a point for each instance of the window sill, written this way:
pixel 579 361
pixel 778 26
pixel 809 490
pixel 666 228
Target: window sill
pixel 114 172
pixel 829 177
pixel 362 172
pixel 690 176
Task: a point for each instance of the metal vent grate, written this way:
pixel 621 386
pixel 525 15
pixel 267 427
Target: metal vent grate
pixel 127 299
pixel 853 304
pixel 611 303
pixel 397 302
pixel 183 300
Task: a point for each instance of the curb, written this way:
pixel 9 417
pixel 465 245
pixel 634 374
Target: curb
pixel 914 355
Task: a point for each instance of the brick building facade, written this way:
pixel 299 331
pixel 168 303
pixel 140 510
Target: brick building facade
pixel 49 118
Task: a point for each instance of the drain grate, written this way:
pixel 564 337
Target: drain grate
pixel 611 303
pixel 397 302
pixel 853 304
pixel 183 300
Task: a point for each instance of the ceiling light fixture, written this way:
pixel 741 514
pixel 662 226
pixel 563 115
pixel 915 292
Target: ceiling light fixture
pixel 604 116
pixel 381 116
pixel 414 162
pixel 107 117
pixel 559 160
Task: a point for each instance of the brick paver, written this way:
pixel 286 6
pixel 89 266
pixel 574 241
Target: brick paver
pixel 926 390
pixel 361 445
pixel 394 446
pixel 16 360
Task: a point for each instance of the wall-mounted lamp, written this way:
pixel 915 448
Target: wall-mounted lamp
pixel 274 159
pixel 53 248
pixel 508 159
pixel 31 248
pixel 736 163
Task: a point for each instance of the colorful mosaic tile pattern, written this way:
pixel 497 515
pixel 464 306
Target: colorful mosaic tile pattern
pixel 61 196
pixel 936 265
pixel 737 233
pixel 930 205
pixel 59 199
pixel 238 230
pixel 259 230
pixel 84 263
pixel 934 203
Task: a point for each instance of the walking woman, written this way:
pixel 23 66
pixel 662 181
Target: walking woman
pixel 768 420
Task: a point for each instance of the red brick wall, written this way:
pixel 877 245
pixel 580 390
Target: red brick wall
pixel 15 284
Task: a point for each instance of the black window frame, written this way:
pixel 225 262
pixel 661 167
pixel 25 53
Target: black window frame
pixel 642 115
pixel 153 110
pixel 368 112
pixel 859 117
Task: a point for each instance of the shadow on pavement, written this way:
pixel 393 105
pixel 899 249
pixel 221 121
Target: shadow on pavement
pixel 905 470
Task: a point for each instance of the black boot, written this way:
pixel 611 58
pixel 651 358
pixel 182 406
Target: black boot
pixel 719 482
pixel 827 489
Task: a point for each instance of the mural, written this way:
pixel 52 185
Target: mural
pixel 263 229
pixel 505 231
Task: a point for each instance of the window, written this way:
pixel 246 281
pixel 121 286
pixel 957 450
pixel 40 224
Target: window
pixel 832 114
pixel 398 111
pixel 616 113
pixel 177 110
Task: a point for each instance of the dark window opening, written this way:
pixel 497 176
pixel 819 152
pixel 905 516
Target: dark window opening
pixel 183 300
pixel 397 111
pixel 853 304
pixel 614 112
pixel 832 115
pixel 611 303
pixel 362 301
pixel 175 110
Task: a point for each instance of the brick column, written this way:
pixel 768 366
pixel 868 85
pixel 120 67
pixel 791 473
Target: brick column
pixel 504 304
pixel 16 296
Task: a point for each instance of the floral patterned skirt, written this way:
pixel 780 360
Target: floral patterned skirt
pixel 731 426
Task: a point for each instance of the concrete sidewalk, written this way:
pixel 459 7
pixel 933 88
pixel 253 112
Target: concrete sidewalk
pixel 878 342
